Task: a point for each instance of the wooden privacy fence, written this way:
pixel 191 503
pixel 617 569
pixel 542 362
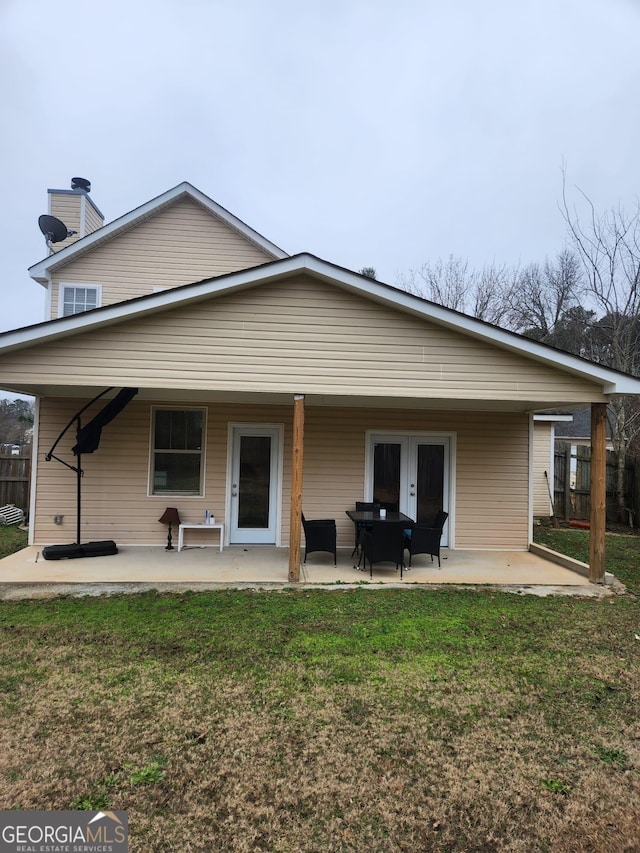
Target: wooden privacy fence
pixel 15 476
pixel 572 485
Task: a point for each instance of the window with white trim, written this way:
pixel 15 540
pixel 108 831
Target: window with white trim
pixel 76 298
pixel 177 451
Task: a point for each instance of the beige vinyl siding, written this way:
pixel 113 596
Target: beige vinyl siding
pixel 542 461
pixel 115 500
pixel 491 469
pixel 181 244
pixel 491 485
pixel 92 219
pixel 297 336
pixel 66 207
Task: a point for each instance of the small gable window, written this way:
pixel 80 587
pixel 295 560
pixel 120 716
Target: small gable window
pixel 177 448
pixel 74 299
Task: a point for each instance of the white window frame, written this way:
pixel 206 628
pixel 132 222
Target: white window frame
pixel 69 285
pixel 152 450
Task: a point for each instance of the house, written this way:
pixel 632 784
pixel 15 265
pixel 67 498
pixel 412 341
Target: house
pixel 576 430
pixel 268 383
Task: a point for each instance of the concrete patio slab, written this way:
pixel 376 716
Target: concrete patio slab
pixel 136 568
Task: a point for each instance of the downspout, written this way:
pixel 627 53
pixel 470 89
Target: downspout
pixel 48 297
pixel 531 476
pixel 34 472
pixel 552 468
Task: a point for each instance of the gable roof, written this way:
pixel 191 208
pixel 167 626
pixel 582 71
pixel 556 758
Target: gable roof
pixel 612 381
pixel 43 269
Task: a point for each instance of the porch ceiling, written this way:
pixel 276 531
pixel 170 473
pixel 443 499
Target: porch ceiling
pixel 203 396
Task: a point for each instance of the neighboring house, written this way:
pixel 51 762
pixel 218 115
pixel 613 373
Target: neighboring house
pixel 576 431
pixel 403 400
pixel 10 449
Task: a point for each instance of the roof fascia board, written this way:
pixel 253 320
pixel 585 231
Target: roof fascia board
pixel 145 211
pixel 612 381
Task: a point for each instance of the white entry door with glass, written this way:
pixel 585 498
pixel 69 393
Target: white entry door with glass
pixel 410 473
pixel 255 486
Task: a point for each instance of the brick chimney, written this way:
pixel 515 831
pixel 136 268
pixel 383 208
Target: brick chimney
pixel 76 209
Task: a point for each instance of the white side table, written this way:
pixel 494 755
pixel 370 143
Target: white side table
pixel 201 526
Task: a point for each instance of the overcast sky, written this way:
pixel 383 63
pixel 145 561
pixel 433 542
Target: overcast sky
pixel 368 132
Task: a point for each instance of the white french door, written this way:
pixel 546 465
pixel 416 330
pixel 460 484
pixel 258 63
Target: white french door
pixel 410 473
pixel 255 484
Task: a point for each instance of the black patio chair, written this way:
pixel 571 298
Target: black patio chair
pixel 384 543
pixel 320 535
pixel 363 506
pixel 425 538
pixel 390 506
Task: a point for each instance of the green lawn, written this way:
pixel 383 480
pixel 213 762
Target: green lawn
pixel 12 539
pixel 363 720
pixel 622 551
pixel 404 720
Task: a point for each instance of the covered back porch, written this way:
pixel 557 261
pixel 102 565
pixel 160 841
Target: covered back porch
pixel 268 361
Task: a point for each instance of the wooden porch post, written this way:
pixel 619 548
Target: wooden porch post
pixel 296 488
pixel 598 492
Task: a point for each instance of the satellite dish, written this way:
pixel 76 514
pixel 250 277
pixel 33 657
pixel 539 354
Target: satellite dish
pixel 53 229
pixel 81 184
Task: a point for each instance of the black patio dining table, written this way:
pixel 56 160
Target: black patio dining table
pixel 367 516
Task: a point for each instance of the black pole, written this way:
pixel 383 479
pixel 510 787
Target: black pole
pixel 76 417
pixel 90 441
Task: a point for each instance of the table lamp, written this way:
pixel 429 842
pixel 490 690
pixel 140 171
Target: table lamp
pixel 169 516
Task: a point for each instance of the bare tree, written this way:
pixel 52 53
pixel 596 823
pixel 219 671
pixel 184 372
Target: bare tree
pixel 543 298
pixel 536 300
pixel 492 294
pixel 454 284
pixel 16 421
pixel 608 246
